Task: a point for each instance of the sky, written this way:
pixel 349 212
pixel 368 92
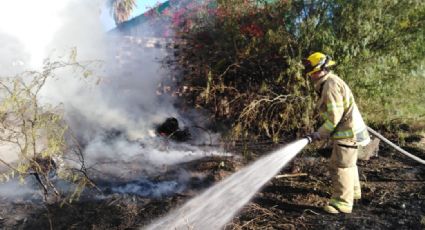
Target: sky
pixel 142 6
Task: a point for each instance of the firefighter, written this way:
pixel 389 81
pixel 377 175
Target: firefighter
pixel 342 123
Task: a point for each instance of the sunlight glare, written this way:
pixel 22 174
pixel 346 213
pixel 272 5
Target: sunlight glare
pixel 33 23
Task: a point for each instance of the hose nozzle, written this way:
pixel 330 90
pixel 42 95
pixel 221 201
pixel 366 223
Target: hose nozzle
pixel 309 138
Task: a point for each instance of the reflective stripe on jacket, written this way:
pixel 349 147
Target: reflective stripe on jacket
pixel 342 118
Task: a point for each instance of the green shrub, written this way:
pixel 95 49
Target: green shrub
pixel 37 132
pixel 243 64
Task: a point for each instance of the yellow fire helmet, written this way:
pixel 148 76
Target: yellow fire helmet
pixel 316 62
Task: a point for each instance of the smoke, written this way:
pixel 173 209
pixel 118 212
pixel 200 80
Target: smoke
pixel 15 189
pixel 148 188
pixel 12 57
pixel 114 110
pixel 217 205
pixel 32 23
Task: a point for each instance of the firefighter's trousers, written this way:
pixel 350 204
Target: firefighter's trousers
pixel 345 176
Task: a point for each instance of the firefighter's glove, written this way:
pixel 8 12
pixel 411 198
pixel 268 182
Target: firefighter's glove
pixel 313 137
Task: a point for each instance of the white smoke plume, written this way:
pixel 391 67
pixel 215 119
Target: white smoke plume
pixel 114 110
pixel 12 56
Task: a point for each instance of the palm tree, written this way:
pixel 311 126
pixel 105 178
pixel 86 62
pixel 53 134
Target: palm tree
pixel 122 9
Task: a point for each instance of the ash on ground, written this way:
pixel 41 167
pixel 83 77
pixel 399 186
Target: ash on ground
pixel 393 197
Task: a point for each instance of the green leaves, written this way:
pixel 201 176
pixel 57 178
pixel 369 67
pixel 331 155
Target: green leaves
pixel 37 132
pixel 379 48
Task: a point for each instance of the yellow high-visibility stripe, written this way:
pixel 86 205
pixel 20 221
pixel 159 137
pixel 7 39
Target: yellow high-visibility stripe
pixel 333 106
pixel 337 202
pixel 343 134
pixel 329 125
pixel 344 104
pixel 325 116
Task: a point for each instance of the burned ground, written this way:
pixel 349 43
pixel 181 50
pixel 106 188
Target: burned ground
pixel 393 197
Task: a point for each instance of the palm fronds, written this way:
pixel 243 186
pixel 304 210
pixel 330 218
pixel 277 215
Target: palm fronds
pixel 122 9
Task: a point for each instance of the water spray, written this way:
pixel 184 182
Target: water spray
pixel 216 206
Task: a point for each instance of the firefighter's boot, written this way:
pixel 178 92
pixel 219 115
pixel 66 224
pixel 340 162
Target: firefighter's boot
pixel 337 205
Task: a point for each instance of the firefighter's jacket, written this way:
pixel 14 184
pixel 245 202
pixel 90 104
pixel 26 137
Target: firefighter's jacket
pixel 342 118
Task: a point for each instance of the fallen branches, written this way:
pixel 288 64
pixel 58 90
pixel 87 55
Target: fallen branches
pixel 291 175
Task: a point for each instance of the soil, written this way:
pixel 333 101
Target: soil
pixel 393 197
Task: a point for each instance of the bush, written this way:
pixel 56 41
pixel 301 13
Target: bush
pixel 38 134
pixel 243 64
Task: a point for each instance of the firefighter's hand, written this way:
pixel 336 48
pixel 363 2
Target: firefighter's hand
pixel 314 136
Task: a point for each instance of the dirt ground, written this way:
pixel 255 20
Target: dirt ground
pixel 393 197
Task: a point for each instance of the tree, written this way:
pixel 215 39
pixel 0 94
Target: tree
pixel 37 131
pixel 121 9
pixel 245 65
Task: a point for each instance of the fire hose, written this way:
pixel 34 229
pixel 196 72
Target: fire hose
pixel 382 138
